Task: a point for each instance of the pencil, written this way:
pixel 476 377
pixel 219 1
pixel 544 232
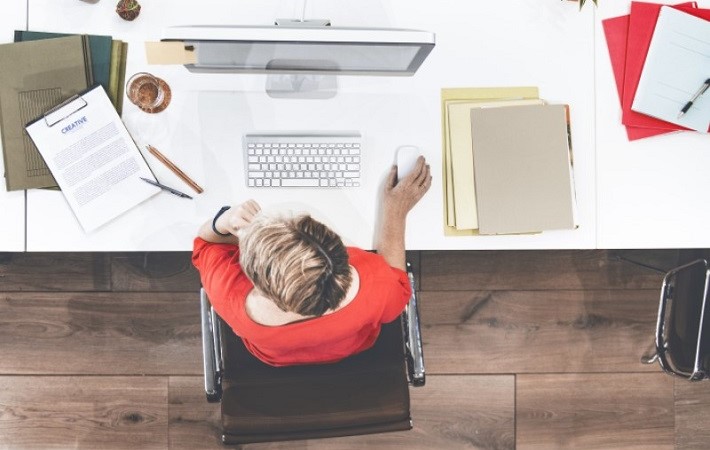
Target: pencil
pixel 175 169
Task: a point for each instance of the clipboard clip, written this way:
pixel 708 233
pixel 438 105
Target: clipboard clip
pixel 82 104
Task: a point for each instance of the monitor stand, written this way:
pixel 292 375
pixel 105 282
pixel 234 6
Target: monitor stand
pixel 301 86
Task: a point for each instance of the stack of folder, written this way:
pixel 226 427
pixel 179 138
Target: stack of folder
pixel 507 162
pixel 657 69
pixel 39 71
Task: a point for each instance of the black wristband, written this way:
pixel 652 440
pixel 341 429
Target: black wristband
pixel 214 221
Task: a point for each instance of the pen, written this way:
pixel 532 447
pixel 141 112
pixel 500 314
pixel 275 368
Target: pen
pixel 700 92
pixel 166 188
pixel 175 169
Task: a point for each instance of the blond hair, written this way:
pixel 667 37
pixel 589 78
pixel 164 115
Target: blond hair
pixel 298 263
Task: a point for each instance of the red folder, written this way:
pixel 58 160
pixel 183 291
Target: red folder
pixel 642 22
pixel 616 31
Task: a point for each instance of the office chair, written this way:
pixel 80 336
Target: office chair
pixel 362 394
pixel 682 345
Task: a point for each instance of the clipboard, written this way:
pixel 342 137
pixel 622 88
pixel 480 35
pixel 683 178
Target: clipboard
pixel 93 157
pixel 60 108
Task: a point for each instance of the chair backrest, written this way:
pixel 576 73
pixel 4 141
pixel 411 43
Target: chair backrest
pixel 364 393
pixel 683 327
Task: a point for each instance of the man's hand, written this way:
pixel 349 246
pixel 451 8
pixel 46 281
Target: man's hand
pixel 400 196
pixel 231 221
pixel 237 217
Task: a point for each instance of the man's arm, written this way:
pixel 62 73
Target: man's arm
pixel 231 221
pixel 398 198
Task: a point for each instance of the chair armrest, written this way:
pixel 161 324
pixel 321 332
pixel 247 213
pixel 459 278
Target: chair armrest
pixel 662 345
pixel 211 349
pixel 413 337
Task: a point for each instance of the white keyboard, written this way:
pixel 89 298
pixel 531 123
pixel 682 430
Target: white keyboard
pixel 302 160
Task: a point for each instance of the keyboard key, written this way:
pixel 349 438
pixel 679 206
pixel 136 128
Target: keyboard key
pixel 299 182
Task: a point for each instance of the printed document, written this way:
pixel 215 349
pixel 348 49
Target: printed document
pixel 93 158
pixel 677 65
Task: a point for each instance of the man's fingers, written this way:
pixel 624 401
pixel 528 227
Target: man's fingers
pixel 422 171
pixel 391 178
pixel 412 177
pixel 252 206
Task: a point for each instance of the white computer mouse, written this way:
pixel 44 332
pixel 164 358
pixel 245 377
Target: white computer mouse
pixel 406 159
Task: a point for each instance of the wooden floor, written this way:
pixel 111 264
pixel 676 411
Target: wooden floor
pixel 527 350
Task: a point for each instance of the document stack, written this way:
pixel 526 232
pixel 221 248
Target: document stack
pixel 659 57
pixel 38 72
pixel 507 163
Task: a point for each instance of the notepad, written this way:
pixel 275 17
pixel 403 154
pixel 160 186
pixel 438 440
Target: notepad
pixel 522 169
pixel 677 64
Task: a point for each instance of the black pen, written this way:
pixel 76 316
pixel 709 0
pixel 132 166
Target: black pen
pixel 166 188
pixel 700 92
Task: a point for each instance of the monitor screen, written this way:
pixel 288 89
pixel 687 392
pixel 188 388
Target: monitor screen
pixel 305 50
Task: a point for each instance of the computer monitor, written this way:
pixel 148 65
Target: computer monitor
pixel 323 49
pixel 303 51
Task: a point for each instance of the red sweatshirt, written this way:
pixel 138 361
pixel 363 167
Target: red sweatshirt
pixel 384 292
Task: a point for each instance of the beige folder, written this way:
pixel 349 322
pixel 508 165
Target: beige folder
pixel 34 77
pixel 522 169
pixel 453 95
pixel 464 191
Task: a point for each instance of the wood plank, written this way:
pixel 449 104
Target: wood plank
pixel 449 412
pixel 54 272
pixel 100 333
pixel 692 421
pixel 194 423
pixel 537 331
pixel 595 411
pixel 83 412
pixel 154 272
pixel 533 270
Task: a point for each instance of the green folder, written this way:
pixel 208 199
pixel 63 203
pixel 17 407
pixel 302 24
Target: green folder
pixel 99 46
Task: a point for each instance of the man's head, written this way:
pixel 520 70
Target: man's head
pixel 298 262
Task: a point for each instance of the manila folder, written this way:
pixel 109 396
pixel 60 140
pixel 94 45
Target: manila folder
pixel 521 161
pixel 34 77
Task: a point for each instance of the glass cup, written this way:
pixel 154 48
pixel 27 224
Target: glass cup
pixel 145 91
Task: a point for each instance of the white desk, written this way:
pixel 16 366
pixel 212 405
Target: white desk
pixel 651 193
pixel 491 43
pixel 12 204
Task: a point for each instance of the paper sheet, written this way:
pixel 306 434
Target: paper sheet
pixel 93 158
pixel 678 63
